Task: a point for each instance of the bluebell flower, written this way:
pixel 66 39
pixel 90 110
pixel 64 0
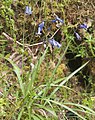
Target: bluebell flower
pixel 83 26
pixel 49 28
pixel 54 43
pixel 28 10
pixel 60 20
pixel 40 27
pixel 77 36
pixel 54 21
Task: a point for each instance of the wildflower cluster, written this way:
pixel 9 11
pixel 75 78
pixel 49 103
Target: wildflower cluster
pixel 53 42
pixel 58 22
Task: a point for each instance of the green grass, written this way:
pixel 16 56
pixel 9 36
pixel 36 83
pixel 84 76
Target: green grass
pixel 49 91
pixel 35 101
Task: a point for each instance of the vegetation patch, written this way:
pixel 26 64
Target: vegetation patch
pixel 47 54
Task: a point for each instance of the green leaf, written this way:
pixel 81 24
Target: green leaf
pixel 34 73
pixel 69 109
pixel 47 109
pixel 20 114
pixel 35 117
pixel 82 106
pixel 68 78
pixel 17 72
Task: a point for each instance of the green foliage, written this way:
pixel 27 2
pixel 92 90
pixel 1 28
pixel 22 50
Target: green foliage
pixel 36 82
pixel 31 97
pixel 7 14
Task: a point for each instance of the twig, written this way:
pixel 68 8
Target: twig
pixel 9 38
pixel 54 33
pixel 25 45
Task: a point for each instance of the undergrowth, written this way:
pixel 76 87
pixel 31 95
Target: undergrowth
pixel 46 61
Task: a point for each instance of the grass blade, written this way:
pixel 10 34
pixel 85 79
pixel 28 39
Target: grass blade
pixel 67 108
pixel 17 72
pixel 81 106
pixel 47 109
pixel 34 74
pixel 69 77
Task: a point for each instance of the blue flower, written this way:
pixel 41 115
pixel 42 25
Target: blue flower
pixel 77 36
pixel 54 43
pixel 28 10
pixel 58 19
pixel 54 21
pixel 40 27
pixel 49 28
pixel 83 26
